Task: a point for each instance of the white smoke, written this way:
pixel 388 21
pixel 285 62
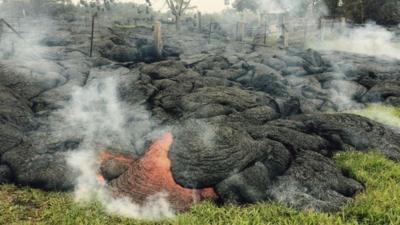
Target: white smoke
pixel 371 39
pixel 103 122
pixel 273 6
pixel 294 7
pixel 25 43
pixel 26 54
pixel 383 114
pixel 88 188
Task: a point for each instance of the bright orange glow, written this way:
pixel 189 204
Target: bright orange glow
pixel 100 179
pixel 158 165
pixel 152 174
pixel 107 155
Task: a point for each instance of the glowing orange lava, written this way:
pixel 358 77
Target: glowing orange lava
pixel 152 174
pixel 100 179
pixel 107 155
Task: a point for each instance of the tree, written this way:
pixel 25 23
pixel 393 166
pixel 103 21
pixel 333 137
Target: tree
pixel 390 13
pixel 360 11
pixel 50 7
pixel 242 5
pixel 99 4
pixel 178 9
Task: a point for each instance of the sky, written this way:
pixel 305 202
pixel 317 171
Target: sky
pixel 209 6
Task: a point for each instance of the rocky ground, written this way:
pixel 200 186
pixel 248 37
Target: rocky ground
pixel 254 123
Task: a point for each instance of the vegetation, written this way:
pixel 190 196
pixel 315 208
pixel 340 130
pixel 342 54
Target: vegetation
pixel 178 9
pixel 388 115
pixel 100 5
pixel 242 5
pixel 379 204
pixel 360 11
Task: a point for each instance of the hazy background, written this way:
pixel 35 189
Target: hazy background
pixel 209 6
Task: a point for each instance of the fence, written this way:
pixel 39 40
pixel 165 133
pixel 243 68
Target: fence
pixel 270 30
pixel 281 29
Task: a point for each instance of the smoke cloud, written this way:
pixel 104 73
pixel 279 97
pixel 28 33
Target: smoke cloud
pixel 370 39
pixel 103 122
pixel 384 114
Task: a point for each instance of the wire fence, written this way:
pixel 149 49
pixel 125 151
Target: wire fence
pixel 280 29
pixel 271 30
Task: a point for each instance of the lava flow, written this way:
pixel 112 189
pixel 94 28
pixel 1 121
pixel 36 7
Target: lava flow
pixel 152 174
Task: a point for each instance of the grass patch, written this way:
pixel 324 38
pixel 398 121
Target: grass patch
pixel 385 114
pixel 131 26
pixel 396 44
pixel 379 204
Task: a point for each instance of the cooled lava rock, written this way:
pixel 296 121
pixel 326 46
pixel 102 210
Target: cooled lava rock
pixel 5 174
pixel 247 124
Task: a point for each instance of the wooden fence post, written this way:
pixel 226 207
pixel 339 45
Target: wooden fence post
pixel 321 29
pixel 305 32
pixel 12 47
pixel 19 23
pixel 199 24
pixel 209 32
pixel 285 31
pixel 92 35
pixel 240 31
pixel 158 38
pixel 265 30
pixel 343 22
pixel 237 31
pixel 1 29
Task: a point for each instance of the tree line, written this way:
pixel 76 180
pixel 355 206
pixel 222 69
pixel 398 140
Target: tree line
pixel 386 12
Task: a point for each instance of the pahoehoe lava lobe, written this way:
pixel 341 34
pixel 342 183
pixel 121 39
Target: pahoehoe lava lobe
pixel 286 160
pixel 203 155
pixel 151 175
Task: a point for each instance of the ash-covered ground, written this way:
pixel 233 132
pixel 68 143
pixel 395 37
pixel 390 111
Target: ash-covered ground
pixel 255 123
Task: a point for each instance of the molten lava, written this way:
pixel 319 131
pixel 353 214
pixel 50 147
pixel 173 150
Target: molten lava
pixel 152 174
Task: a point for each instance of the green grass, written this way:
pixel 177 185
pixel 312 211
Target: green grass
pixel 379 204
pixel 396 45
pixel 388 115
pixel 131 26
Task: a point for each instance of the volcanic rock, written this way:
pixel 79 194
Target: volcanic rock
pixel 113 165
pixel 313 182
pixel 347 130
pixel 30 80
pixel 202 155
pixel 383 91
pixel 5 174
pixel 248 122
pixel 41 166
